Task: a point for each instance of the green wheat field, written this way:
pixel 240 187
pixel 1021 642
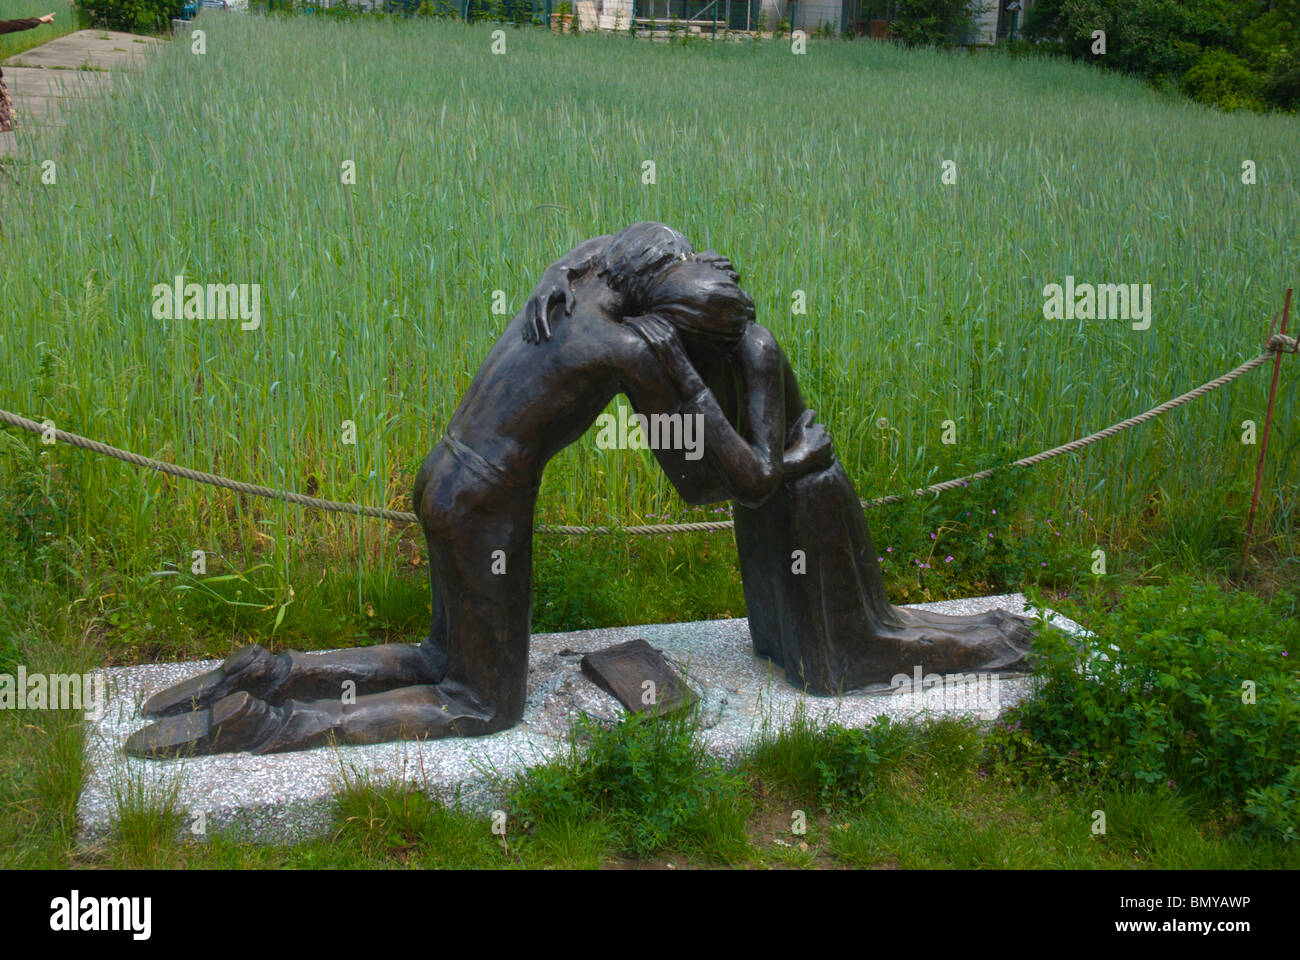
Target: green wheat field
pixel 818 173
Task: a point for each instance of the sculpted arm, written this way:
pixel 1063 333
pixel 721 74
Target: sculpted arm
pixel 747 462
pixel 552 300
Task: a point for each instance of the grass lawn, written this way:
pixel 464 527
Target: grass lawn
pixel 938 800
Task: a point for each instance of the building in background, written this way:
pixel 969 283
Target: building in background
pixel 993 18
pixel 702 15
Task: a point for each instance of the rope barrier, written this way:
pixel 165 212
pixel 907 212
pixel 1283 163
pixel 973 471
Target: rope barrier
pixel 1277 344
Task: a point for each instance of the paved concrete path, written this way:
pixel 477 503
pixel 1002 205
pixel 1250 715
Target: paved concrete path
pixel 79 65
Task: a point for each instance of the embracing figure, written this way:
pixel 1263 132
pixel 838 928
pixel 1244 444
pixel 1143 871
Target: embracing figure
pixel 642 314
pixel 814 594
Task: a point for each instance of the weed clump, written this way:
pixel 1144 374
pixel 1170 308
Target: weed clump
pixel 649 780
pixel 1185 687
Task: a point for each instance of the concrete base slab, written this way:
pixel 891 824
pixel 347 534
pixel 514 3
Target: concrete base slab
pixel 289 797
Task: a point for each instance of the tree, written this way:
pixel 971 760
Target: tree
pixel 934 23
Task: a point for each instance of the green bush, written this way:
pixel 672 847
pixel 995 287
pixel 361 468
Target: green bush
pixel 571 594
pixel 1222 79
pixel 1153 38
pixel 934 23
pixel 1275 809
pixel 149 16
pixel 852 760
pixel 1198 692
pixel 36 532
pixel 1282 80
pixel 648 778
pixel 1229 54
pixel 844 768
pixel 442 9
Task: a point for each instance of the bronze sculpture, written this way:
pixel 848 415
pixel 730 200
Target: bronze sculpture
pixel 638 313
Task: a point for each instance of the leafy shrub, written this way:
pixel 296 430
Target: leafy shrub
pixel 149 16
pixel 851 760
pixel 1148 37
pixel 648 777
pixel 1222 79
pixel 570 593
pixel 517 12
pixel 36 501
pixel 1282 80
pixel 1275 809
pixel 1199 694
pixel 442 9
pixel 832 764
pixel 1230 54
pixel 936 23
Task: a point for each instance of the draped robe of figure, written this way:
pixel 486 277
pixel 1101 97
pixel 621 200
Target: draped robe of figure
pixel 827 619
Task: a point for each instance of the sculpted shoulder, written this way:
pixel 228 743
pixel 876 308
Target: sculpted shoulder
pixel 600 339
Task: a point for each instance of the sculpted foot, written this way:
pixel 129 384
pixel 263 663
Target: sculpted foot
pixel 251 669
pixel 241 722
pixel 427 711
pixel 234 723
pixel 996 640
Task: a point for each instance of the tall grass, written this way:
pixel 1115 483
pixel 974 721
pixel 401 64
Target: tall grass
pixel 818 173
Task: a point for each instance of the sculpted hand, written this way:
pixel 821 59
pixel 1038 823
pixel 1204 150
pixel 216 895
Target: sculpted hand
pixel 811 450
pixel 718 261
pixel 48 18
pixel 544 306
pixel 668 348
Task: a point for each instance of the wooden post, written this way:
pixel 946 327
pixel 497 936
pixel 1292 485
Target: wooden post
pixel 1268 420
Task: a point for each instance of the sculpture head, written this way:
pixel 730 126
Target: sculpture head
pixel 653 269
pixel 702 299
pixel 636 256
